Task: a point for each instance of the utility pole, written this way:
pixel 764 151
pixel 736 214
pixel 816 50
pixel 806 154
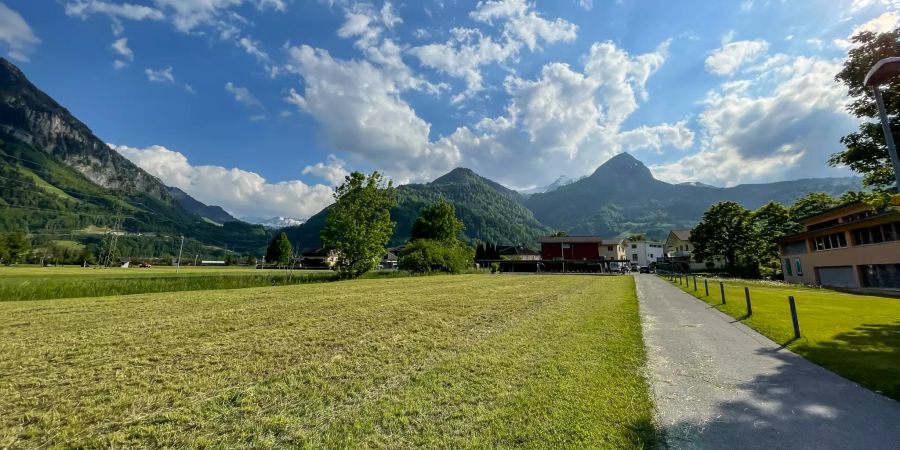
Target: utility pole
pixel 180 248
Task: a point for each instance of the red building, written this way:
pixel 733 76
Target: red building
pixel 590 248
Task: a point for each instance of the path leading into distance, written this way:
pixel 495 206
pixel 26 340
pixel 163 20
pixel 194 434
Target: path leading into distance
pixel 719 384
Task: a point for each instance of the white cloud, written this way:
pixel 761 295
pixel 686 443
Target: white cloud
pixel 242 95
pixel 361 113
pixel 786 131
pixel 239 192
pixel 888 21
pixel 253 48
pixel 568 119
pixel 332 171
pixel 126 55
pixel 160 75
pixel 16 35
pixel 586 4
pixel 85 8
pixel 468 48
pixel 727 59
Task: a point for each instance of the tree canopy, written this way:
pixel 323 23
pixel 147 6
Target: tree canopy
pixel 723 232
pixel 359 223
pixel 438 222
pixel 279 251
pixel 811 204
pixel 866 150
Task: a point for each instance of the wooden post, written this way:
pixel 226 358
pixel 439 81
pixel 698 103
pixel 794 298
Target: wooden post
pixel 722 290
pixel 794 317
pixel 749 306
pixel 706 286
pixel 695 283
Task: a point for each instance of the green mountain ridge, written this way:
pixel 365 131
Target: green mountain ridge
pixel 59 180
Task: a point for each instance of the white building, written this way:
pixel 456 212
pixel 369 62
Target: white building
pixel 643 253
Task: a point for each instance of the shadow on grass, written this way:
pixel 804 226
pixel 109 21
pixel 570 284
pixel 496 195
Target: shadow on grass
pixel 868 354
pixel 798 405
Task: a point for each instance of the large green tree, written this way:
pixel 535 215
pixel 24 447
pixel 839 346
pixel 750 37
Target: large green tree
pixel 771 221
pixel 435 245
pixel 866 150
pixel 14 247
pixel 359 224
pixel 811 204
pixel 279 251
pixel 438 222
pixel 724 232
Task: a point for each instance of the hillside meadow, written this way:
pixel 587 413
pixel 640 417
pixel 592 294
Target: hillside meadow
pixel 451 361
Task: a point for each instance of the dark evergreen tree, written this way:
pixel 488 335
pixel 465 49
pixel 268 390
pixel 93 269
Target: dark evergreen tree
pixel 279 251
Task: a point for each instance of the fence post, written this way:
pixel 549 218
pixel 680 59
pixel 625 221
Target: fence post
pixel 794 317
pixel 706 286
pixel 722 290
pixel 695 283
pixel 749 306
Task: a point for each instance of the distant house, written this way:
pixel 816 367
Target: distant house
pixel 851 246
pixel 519 252
pixel 644 253
pixel 587 248
pixel 318 258
pixel 212 263
pixel 680 250
pixel 389 261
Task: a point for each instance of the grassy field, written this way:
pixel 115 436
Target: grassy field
pixel 443 361
pixel 857 336
pixel 41 283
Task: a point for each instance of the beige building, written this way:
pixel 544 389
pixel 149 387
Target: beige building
pixel 680 250
pixel 613 249
pixel 852 246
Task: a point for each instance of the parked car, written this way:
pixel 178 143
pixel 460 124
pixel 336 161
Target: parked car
pixel 644 269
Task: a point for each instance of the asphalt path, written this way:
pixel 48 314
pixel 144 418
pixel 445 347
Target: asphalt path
pixel 719 384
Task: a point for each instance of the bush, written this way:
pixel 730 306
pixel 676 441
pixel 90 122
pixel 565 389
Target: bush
pixel 426 255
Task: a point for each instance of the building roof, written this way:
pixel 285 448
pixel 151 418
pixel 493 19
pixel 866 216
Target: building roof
pixel 871 220
pixel 612 241
pixel 516 250
pixel 684 235
pixel 570 239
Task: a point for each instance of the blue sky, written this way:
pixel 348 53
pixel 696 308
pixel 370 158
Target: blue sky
pixel 262 105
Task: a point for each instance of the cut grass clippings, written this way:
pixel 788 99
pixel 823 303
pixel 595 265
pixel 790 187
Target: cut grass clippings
pixel 856 336
pixel 443 361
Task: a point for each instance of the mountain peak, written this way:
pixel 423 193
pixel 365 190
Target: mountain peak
pixel 457 174
pixel 623 165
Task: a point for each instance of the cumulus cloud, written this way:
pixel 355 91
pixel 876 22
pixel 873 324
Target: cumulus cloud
pixel 469 48
pixel 888 21
pixel 332 170
pixel 242 95
pixel 361 113
pixel 239 192
pixel 16 35
pixel 727 59
pixel 782 123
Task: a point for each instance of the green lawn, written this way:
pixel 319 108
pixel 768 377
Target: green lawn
pixel 40 283
pixel 856 336
pixel 443 361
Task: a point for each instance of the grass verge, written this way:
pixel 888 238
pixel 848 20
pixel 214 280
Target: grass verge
pixel 442 361
pixel 856 336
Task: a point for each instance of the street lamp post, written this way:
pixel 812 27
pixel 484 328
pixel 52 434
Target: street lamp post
pixel 878 75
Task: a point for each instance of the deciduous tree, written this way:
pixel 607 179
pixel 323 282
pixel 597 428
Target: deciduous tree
pixel 724 232
pixel 811 204
pixel 359 224
pixel 866 150
pixel 280 250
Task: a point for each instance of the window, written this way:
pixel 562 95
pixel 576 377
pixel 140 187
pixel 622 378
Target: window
pixel 610 248
pixel 875 235
pixel 880 275
pixel 651 256
pixel 787 267
pixel 634 257
pixel 828 242
pixel 799 267
pixel 633 245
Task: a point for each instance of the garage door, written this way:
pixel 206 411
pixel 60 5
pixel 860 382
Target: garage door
pixel 841 276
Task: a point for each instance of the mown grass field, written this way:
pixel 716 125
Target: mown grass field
pixel 40 283
pixel 443 361
pixel 856 336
